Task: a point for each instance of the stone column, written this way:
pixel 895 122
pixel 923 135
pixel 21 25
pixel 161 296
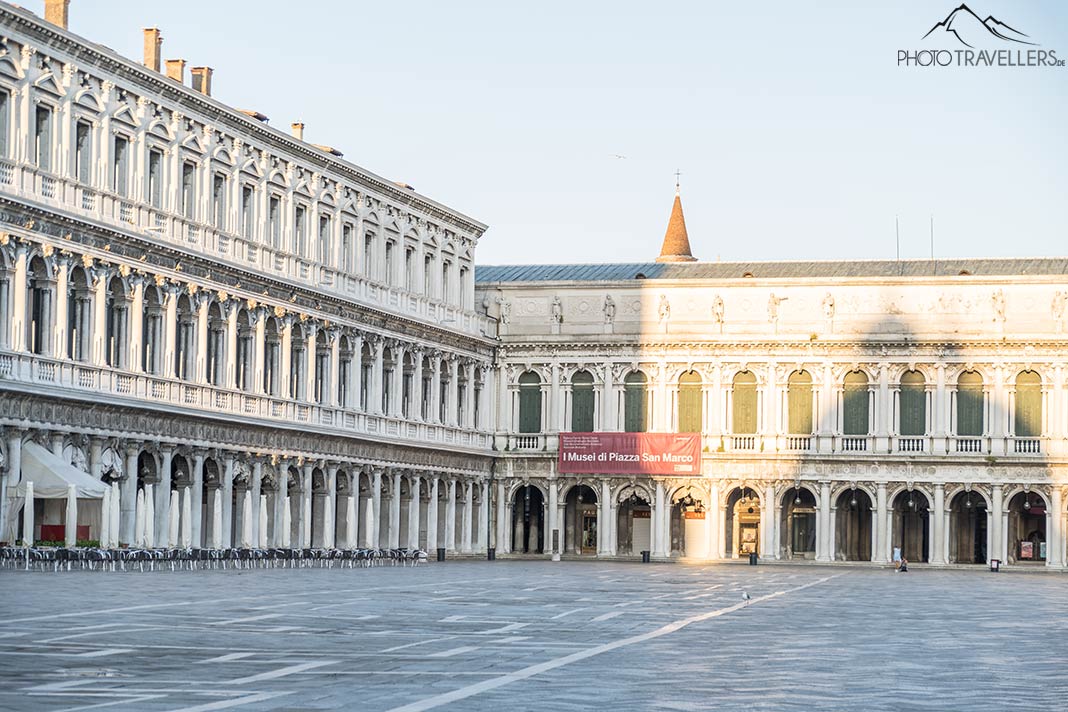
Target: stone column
pixel 483 516
pixel 660 514
pixel 432 516
pixel 257 491
pixel 11 477
pixel 374 398
pixel 394 512
pixel 1055 555
pixel 502 535
pixel 229 376
pixel 469 510
pixel 604 517
pixel 285 358
pixel 715 524
pixel 469 398
pixel 396 408
pixel 128 495
pixel 356 384
pixel 552 521
pixel 997 530
pixel 99 278
pixel 59 328
pixel 19 338
pixel 278 536
pixel 197 495
pixel 882 537
pixel 454 388
pixel 608 401
pixel 135 358
pixel 226 491
pixel 200 345
pixel 375 526
pixel 413 512
pixel 823 525
pixel 304 512
pixel 163 499
pixel 332 396
pixel 311 351
pixel 450 517
pixel 170 330
pixel 330 532
pixel 938 528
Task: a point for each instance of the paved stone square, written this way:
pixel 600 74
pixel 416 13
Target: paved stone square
pixel 524 635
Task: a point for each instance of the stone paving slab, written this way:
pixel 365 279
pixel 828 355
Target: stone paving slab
pixel 525 635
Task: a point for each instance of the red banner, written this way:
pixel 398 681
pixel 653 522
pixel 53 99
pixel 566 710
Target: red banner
pixel 630 453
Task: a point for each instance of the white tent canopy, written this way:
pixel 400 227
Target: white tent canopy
pixel 52 476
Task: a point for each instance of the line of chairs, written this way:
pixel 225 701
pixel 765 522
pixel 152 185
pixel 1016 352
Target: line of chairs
pixel 57 559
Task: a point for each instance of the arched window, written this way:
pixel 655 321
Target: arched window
pixel 297 345
pixel 1028 405
pixel 970 404
pixel 635 417
pixel 40 290
pixel 913 404
pixel 529 403
pixel 152 331
pixel 246 337
pixel 272 357
pixel 689 415
pixel 582 402
pixel 855 404
pixel 744 404
pixel 799 403
pixel 79 314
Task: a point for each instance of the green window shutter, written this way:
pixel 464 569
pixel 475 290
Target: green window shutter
pixel 744 404
pixel 913 404
pixel 689 415
pixel 634 403
pixel 582 403
pixel 799 403
pixel 529 403
pixel 1028 405
pixel 855 404
pixel 970 405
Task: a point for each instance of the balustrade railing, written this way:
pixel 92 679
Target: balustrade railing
pixel 1027 446
pixel 854 444
pixel 911 444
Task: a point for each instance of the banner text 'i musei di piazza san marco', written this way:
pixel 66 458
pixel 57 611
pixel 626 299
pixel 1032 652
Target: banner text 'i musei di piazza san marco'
pixel 630 453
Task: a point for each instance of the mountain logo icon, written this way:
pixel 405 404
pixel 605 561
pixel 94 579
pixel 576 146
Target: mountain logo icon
pixel 968 29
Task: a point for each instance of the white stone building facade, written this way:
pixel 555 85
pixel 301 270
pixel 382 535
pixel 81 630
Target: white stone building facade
pixel 225 321
pixel 847 410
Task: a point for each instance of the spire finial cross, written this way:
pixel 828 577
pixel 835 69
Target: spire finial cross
pixel 677 174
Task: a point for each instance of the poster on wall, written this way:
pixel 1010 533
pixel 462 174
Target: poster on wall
pixel 1027 550
pixel 630 453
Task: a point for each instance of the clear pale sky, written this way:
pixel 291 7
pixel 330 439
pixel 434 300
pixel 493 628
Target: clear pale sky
pixel 797 135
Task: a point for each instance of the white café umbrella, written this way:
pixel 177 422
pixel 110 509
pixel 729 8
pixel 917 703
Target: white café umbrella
pixel 139 518
pixel 328 526
pixel 350 522
pixel 105 519
pixel 216 520
pixel 369 525
pixel 71 528
pixel 116 514
pixel 287 524
pixel 172 525
pixel 150 518
pixel 187 519
pixel 246 521
pixel 262 533
pixel 27 517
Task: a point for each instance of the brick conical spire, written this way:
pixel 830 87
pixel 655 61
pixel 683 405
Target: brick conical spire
pixel 676 242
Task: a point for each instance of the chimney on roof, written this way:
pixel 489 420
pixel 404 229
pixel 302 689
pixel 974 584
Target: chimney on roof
pixel 56 12
pixel 202 79
pixel 176 70
pixel 298 130
pixel 153 48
